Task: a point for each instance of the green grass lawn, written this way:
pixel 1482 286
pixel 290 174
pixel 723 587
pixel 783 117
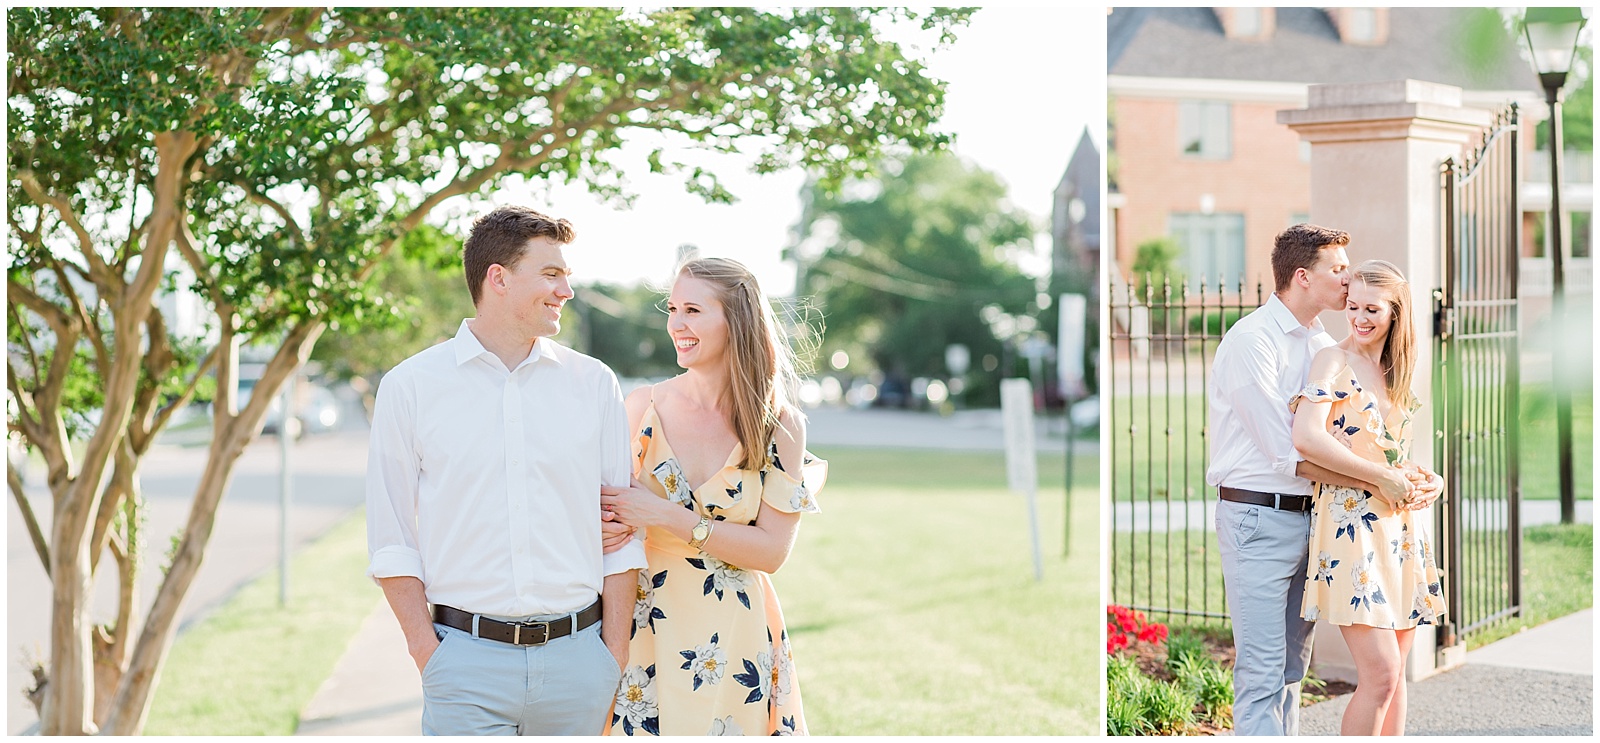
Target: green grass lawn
pixel 1185 573
pixel 1537 447
pixel 1557 576
pixel 1158 445
pixel 249 667
pixel 910 600
pixel 913 605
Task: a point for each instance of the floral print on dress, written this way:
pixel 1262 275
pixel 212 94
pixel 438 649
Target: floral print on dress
pixel 670 475
pixel 708 662
pixel 1350 511
pixel 801 500
pixel 725 726
pixel 712 632
pixel 1367 590
pixel 783 669
pixel 645 611
pixel 1385 575
pixel 756 677
pixel 1422 606
pixel 723 578
pixel 1403 546
pixel 1325 566
pixel 636 701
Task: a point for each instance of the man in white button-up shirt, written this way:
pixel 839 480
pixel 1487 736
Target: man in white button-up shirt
pixel 1263 518
pixel 487 457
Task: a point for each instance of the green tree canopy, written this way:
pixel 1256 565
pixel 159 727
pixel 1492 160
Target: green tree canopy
pixel 918 259
pixel 269 161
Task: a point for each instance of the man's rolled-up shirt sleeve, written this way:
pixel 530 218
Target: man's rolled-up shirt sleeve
pixel 616 471
pixel 1251 387
pixel 393 470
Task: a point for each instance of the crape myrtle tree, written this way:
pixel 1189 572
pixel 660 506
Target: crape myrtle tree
pixel 918 258
pixel 266 161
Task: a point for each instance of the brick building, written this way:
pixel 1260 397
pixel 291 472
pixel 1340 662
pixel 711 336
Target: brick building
pixel 1196 150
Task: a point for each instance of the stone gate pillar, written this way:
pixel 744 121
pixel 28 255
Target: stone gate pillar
pixel 1375 155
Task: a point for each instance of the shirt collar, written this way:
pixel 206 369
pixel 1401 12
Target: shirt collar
pixel 468 347
pixel 1279 313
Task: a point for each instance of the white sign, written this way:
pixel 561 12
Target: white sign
pixel 1022 471
pixel 1016 411
pixel 1069 342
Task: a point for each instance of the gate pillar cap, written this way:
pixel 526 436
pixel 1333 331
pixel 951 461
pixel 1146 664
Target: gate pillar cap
pixel 1334 95
pixel 1385 110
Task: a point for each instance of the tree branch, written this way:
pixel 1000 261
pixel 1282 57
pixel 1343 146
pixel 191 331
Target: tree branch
pixel 197 263
pixel 165 412
pixel 91 327
pixel 289 224
pixel 27 341
pixel 40 546
pixel 99 272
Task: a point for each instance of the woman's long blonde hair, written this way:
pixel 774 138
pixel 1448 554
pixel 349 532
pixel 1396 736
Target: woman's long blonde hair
pixel 1399 358
pixel 762 376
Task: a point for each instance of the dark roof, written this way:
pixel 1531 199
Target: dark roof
pixel 1083 178
pixel 1423 44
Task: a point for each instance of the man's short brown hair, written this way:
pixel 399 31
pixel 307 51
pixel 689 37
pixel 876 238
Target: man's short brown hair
pixel 501 236
pixel 1300 247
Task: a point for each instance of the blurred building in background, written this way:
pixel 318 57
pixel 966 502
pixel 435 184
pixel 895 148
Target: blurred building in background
pixel 1196 153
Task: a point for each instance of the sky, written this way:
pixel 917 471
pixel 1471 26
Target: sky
pixel 1015 106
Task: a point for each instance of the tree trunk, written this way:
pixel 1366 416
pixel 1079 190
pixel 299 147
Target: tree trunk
pixel 68 708
pixel 132 704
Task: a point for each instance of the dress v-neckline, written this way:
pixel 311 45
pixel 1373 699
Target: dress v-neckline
pixel 1363 389
pixel 661 430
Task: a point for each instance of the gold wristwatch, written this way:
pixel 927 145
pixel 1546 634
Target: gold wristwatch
pixel 700 533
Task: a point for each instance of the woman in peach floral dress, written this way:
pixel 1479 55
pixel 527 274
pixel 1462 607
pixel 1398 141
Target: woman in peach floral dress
pixel 720 506
pixel 1372 569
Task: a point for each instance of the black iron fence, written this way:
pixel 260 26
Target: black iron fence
pixel 1162 339
pixel 1476 381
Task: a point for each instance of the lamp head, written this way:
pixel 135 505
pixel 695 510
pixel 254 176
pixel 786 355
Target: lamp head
pixel 1552 37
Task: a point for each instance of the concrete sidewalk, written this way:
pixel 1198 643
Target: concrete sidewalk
pixel 1538 682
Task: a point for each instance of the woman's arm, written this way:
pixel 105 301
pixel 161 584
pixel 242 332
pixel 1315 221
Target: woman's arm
pixel 762 546
pixel 614 533
pixel 1319 447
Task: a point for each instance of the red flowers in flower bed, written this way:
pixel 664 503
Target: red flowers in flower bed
pixel 1125 626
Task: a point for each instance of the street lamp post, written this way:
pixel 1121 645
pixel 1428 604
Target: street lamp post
pixel 1552 36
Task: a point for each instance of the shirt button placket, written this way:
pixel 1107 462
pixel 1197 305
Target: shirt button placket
pixel 516 443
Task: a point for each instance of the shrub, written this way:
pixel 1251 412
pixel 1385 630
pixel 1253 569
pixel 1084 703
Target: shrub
pixel 1215 322
pixel 1165 708
pixel 1208 682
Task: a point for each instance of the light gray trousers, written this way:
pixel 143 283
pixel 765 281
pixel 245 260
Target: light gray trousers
pixel 1264 553
pixel 474 686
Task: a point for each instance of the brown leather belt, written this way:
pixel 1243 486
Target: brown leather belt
pixel 516 633
pixel 1272 500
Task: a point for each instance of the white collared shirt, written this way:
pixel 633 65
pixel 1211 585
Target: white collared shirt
pixel 1261 364
pixel 485 484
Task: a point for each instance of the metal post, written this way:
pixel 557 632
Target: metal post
pixel 1066 537
pixel 1563 397
pixel 285 439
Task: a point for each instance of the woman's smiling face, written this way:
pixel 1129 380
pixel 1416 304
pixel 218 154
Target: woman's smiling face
pixel 1370 312
pixel 696 322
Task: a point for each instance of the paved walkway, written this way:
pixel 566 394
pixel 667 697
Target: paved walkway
pixel 1538 682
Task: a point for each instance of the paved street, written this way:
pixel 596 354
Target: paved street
pixel 328 485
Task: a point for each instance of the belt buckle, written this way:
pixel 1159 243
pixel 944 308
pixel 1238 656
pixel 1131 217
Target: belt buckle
pixel 516 632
